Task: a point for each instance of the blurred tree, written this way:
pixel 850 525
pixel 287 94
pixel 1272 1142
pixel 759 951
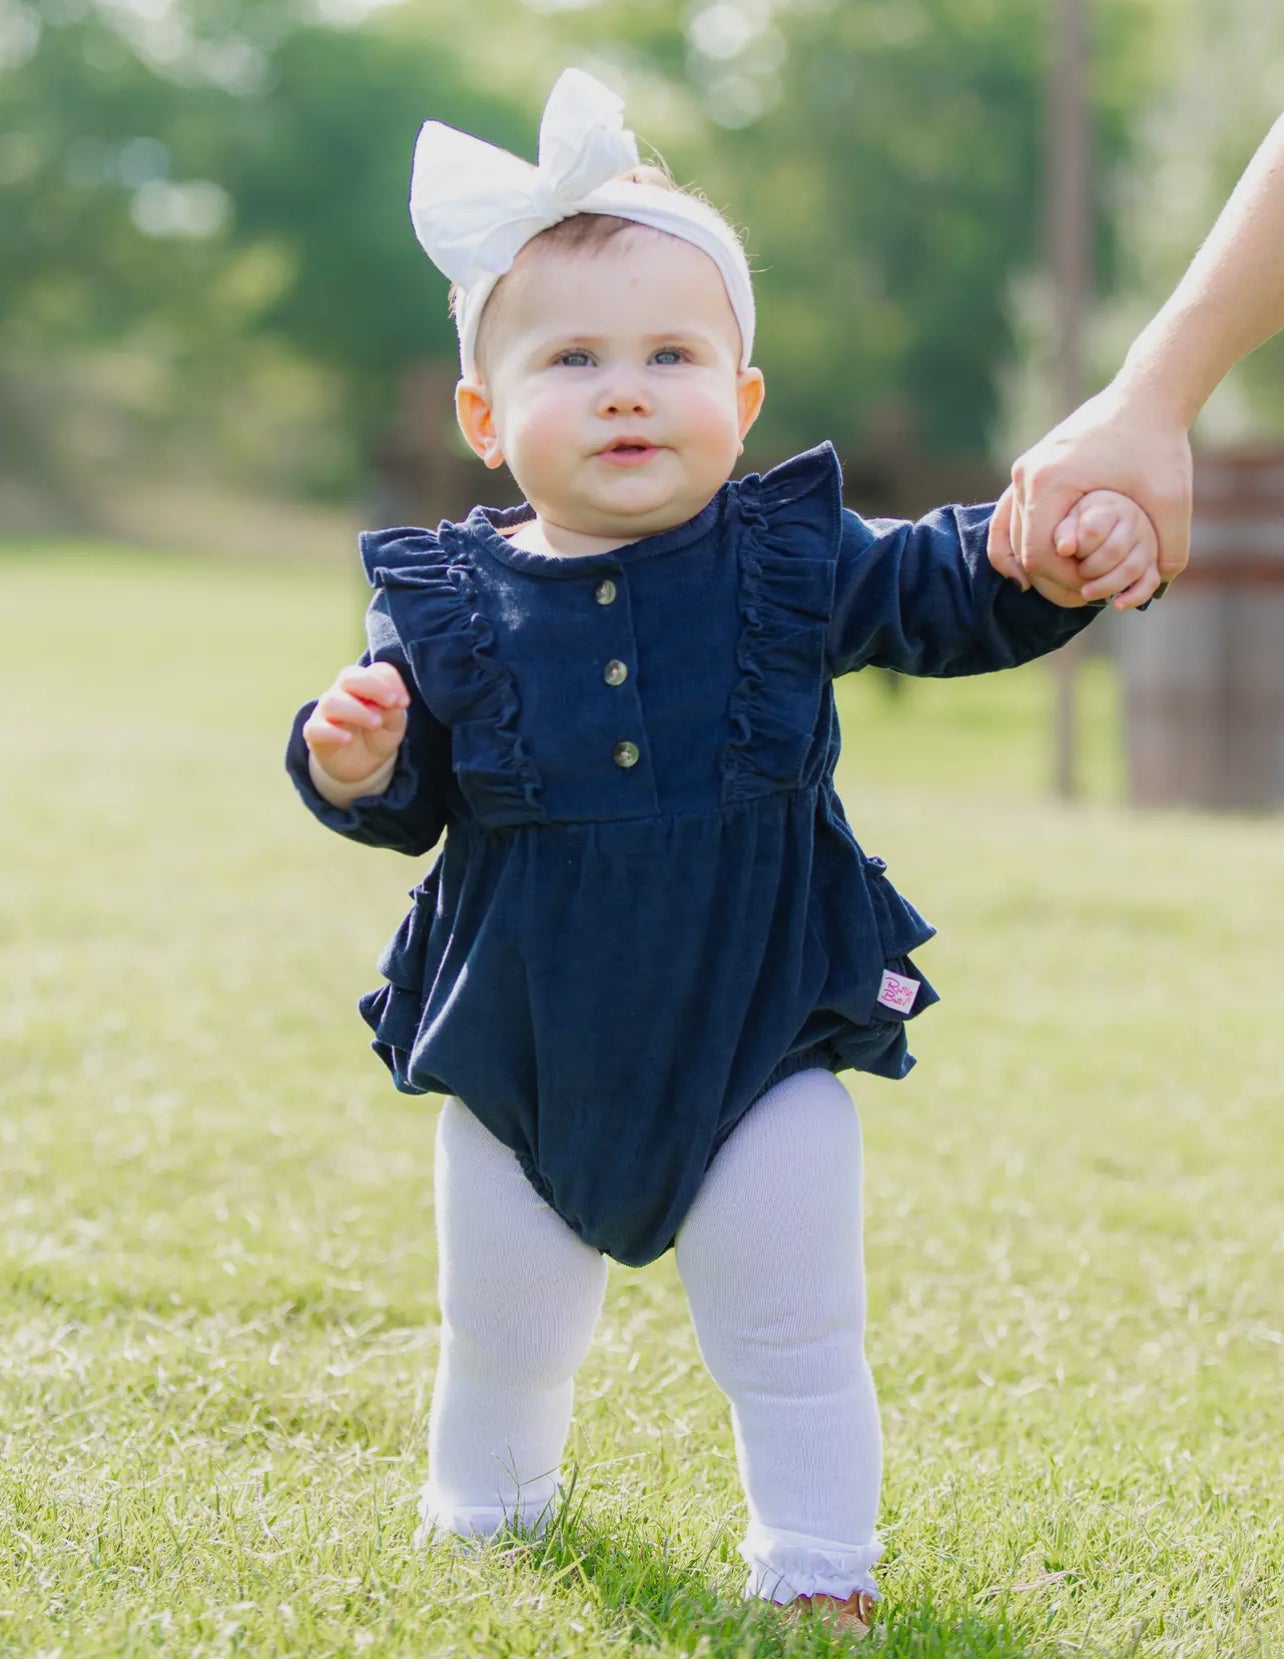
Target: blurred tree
pixel 1222 88
pixel 319 169
pixel 204 201
pixel 80 118
pixel 887 160
pixel 193 198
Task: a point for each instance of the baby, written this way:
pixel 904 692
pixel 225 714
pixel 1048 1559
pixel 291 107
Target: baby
pixel 651 939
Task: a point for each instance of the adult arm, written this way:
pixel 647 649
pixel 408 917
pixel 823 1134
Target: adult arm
pixel 1134 436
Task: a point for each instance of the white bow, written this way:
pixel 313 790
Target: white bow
pixel 475 206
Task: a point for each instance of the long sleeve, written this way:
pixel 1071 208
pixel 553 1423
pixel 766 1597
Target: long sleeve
pixel 411 813
pixel 923 598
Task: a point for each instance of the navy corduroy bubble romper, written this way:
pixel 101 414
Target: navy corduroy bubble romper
pixel 649 907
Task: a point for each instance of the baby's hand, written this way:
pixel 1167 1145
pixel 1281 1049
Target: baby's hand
pixel 1116 547
pixel 359 722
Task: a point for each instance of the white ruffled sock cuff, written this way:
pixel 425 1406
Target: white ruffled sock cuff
pixel 530 1511
pixel 783 1565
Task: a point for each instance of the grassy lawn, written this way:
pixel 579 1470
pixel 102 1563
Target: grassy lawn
pixel 215 1213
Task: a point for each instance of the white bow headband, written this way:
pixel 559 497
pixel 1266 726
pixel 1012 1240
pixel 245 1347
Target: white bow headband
pixel 474 206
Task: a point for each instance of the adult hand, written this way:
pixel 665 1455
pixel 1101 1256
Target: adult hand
pixel 1137 446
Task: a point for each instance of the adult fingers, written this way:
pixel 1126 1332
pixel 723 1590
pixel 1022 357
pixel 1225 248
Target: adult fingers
pixel 1018 533
pixel 1172 525
pixel 1059 572
pixel 1043 501
pixel 999 546
pixel 1165 493
pixel 1065 538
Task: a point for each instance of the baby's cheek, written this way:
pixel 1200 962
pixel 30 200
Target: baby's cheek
pixel 719 426
pixel 542 440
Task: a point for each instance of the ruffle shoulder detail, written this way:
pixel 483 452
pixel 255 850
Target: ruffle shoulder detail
pixel 790 522
pixel 436 605
pixel 406 556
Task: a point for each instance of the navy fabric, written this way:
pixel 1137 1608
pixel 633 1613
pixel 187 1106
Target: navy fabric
pixel 610 964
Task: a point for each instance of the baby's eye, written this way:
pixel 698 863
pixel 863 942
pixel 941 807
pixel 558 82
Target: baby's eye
pixel 573 359
pixel 670 354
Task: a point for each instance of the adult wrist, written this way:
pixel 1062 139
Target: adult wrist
pixel 1159 381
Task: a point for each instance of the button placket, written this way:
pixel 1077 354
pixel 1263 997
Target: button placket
pixel 626 752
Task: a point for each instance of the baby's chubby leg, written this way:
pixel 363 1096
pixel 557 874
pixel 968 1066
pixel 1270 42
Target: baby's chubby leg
pixel 770 1255
pixel 520 1295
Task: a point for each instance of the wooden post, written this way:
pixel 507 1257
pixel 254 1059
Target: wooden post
pixel 1068 167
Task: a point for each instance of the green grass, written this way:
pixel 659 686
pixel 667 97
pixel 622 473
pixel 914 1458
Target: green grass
pixel 215 1213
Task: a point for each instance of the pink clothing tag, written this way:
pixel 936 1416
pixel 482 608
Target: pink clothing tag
pixel 897 992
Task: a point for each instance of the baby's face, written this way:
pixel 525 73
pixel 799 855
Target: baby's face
pixel 612 388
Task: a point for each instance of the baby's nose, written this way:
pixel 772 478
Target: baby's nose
pixel 624 396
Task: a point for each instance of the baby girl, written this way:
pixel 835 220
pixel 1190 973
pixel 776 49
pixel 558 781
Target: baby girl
pixel 650 940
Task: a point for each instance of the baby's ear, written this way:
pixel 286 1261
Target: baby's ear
pixel 751 389
pixel 477 422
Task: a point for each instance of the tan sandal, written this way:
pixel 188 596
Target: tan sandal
pixel 852 1616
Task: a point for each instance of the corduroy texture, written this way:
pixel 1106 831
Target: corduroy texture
pixel 611 962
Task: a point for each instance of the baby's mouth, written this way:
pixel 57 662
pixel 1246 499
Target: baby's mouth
pixel 628 452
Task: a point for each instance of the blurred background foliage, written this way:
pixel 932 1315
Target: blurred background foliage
pixel 208 279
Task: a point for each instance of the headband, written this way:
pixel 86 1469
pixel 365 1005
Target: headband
pixel 474 206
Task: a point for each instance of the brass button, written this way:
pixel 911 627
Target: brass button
pixel 626 754
pixel 605 592
pixel 615 672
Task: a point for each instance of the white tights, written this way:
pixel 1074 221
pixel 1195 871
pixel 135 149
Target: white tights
pixel 770 1257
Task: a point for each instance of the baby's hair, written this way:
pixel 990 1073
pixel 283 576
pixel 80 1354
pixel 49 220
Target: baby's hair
pixel 586 232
